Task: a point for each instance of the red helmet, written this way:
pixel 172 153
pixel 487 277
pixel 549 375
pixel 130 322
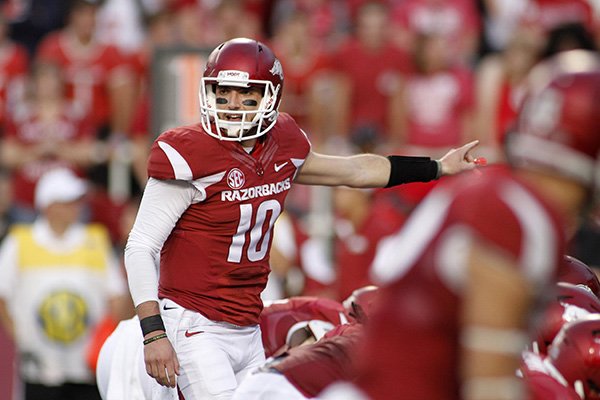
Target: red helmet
pixel 569 303
pixel 360 303
pixel 557 128
pixel 577 272
pixel 241 62
pixel 575 353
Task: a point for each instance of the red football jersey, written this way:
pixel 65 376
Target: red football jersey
pixel 413 338
pixel 313 367
pixel 216 259
pixel 277 318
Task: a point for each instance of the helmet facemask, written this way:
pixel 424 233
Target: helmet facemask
pixel 263 118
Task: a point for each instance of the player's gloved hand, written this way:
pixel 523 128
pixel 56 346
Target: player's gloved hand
pixel 458 160
pixel 161 359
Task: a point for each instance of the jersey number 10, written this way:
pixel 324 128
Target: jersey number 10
pixel 259 241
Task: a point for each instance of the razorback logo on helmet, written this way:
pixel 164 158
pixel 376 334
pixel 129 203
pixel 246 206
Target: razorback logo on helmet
pixel 277 69
pixel 236 179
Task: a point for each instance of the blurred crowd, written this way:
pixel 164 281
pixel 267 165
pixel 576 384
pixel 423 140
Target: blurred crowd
pixel 391 76
pixel 404 76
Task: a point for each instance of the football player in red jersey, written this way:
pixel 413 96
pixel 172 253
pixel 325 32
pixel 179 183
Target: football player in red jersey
pixel 284 323
pixel 197 257
pixel 302 372
pixel 569 303
pixel 460 281
pixel 577 272
pixel 571 370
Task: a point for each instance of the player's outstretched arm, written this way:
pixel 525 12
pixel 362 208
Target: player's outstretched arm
pixel 372 171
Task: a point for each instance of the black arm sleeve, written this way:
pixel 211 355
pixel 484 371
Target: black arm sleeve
pixel 405 169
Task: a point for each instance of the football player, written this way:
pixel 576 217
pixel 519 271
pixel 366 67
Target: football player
pixel 569 303
pixel 575 271
pixel 572 365
pixel 460 281
pixel 289 322
pixel 205 220
pixel 303 372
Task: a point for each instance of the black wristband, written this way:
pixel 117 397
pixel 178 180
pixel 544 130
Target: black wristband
pixel 151 324
pixel 406 169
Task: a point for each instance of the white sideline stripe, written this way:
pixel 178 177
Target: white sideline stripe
pixel 181 169
pixel 202 183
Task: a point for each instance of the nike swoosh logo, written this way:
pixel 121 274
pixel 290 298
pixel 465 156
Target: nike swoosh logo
pixel 278 167
pixel 168 308
pixel 190 334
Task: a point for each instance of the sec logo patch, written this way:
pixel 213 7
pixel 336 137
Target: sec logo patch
pixel 236 179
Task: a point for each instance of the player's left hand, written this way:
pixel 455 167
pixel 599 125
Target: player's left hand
pixel 458 160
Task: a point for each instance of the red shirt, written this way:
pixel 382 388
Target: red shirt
pixel 298 80
pixel 553 13
pixel 216 259
pixel 13 69
pixel 413 339
pixel 88 72
pixel 25 127
pixel 437 104
pixel 373 75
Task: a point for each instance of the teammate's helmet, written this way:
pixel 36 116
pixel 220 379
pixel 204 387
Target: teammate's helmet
pixel 241 63
pixel 577 272
pixel 575 353
pixel 557 128
pixel 569 303
pixel 360 303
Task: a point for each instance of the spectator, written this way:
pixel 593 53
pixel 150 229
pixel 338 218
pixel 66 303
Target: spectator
pixel 370 67
pixel 14 65
pixel 96 74
pixel 46 130
pixel 456 20
pixel 308 87
pixel 435 106
pixel 58 279
pixel 501 85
